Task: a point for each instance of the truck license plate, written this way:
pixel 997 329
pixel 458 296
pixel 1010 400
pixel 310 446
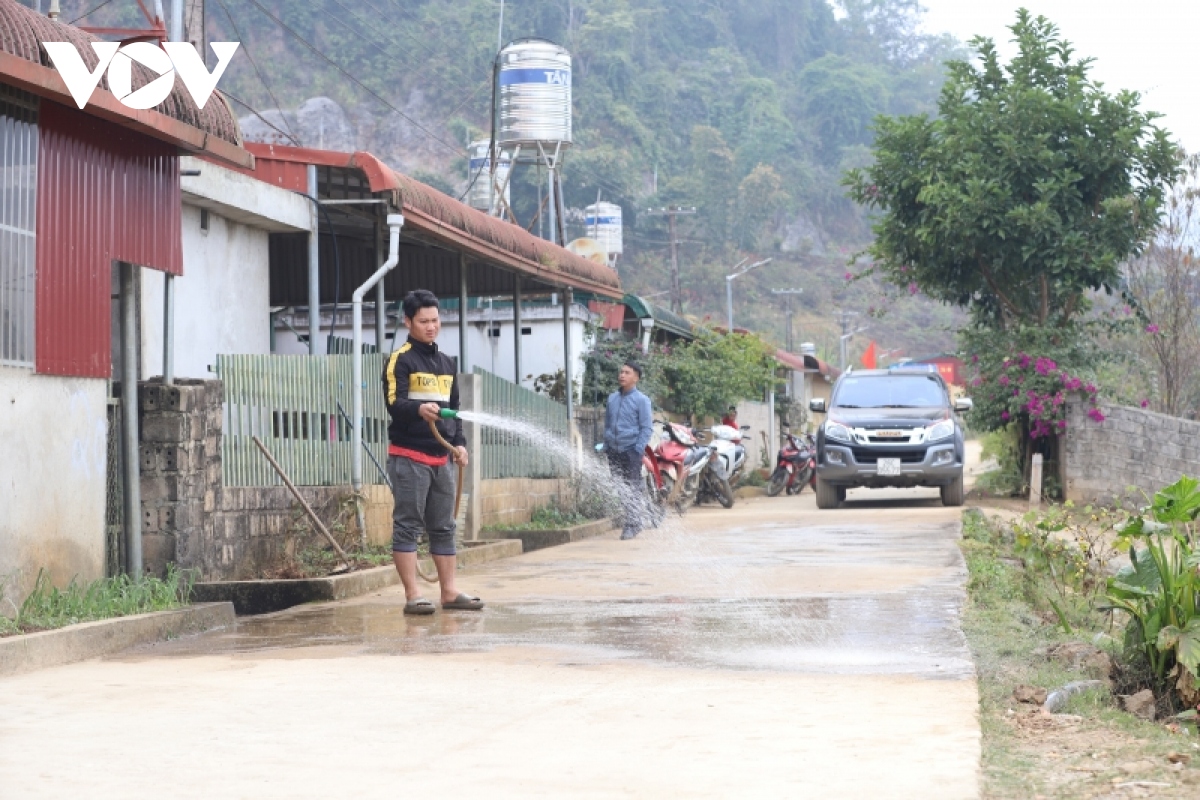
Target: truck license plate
pixel 889 466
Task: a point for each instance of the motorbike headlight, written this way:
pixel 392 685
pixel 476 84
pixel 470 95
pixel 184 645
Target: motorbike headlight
pixel 836 430
pixel 941 430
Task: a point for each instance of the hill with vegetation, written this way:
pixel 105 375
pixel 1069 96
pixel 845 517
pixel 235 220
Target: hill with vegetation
pixel 749 110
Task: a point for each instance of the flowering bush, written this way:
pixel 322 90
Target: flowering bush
pixel 1024 377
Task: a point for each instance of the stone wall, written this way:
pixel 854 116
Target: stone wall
pixel 1131 450
pixel 191 518
pixel 511 501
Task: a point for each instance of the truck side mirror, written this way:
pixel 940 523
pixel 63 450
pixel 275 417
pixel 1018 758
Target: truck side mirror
pixel 817 405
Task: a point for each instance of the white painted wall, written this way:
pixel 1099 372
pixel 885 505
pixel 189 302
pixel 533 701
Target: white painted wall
pixel 222 300
pixel 53 434
pixel 541 348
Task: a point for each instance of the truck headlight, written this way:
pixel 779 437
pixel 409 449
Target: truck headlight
pixel 836 430
pixel 942 430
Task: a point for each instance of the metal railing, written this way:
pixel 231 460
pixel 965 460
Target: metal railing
pixel 344 346
pixel 291 403
pixel 506 455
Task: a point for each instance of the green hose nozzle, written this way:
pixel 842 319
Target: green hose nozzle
pixel 448 413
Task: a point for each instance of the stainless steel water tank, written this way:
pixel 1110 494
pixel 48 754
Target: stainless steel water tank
pixel 479 171
pixel 535 94
pixel 603 222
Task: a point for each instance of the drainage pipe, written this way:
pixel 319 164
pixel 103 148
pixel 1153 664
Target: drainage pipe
pixel 395 223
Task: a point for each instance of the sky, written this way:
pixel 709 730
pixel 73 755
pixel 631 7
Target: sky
pixel 1144 45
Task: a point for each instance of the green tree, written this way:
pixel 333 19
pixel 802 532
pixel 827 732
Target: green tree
pixel 1028 190
pixel 713 372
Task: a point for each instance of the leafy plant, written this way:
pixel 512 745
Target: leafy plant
pixel 1161 586
pixel 48 607
pixel 1073 548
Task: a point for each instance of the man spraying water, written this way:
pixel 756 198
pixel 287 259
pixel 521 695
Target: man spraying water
pixel 418 384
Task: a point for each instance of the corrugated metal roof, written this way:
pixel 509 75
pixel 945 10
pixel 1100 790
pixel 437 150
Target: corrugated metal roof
pixel 448 221
pixel 24 63
pixel 104 193
pixel 668 320
pixel 806 363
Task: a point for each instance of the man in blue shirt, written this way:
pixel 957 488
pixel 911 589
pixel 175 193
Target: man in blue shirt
pixel 627 429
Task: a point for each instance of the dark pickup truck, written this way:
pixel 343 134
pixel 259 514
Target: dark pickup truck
pixel 889 428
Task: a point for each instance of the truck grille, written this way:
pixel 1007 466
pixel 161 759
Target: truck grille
pixel 863 455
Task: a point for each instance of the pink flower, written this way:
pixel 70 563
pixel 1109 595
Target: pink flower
pixel 1004 415
pixel 1128 311
pixel 1096 415
pixel 1045 366
pixel 974 359
pixel 1003 380
pixel 1024 361
pixel 1090 388
pixel 849 276
pixel 1145 403
pixel 903 268
pixel 913 288
pixel 1152 328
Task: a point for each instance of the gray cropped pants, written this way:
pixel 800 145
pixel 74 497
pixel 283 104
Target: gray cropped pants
pixel 423 501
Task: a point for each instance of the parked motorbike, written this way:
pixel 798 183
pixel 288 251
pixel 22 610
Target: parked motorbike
pixel 795 465
pixel 676 465
pixel 725 466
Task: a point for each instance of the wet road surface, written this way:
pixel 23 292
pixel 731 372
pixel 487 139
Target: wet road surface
pixel 770 650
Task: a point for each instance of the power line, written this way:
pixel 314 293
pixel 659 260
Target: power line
pixel 264 120
pixel 353 79
pixel 89 12
pixel 259 72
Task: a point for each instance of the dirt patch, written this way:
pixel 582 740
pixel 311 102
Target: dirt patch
pixel 1092 750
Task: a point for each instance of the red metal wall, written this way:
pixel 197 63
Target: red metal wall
pixel 104 194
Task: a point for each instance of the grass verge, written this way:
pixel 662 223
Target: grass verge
pixel 545 518
pixel 1093 749
pixel 48 607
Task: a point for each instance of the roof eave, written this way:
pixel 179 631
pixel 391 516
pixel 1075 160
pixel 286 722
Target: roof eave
pixel 47 83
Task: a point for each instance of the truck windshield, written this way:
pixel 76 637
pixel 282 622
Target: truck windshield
pixel 890 391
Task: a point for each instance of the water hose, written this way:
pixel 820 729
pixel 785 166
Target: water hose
pixel 445 413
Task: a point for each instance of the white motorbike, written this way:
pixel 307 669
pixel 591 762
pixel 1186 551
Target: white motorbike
pixel 724 468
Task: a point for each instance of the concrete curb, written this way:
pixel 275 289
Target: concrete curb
pixel 539 540
pixel 265 596
pixel 32 651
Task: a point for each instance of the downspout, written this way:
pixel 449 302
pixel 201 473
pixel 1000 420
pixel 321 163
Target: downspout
pixel 395 223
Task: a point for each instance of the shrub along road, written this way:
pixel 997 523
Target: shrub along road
pixel 769 650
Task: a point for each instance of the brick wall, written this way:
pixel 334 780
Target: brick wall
pixel 189 517
pixel 1131 448
pixel 511 501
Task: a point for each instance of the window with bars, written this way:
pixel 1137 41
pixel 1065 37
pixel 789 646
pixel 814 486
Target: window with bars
pixel 18 195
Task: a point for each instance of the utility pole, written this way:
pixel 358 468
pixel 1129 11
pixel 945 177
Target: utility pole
pixel 788 293
pixel 847 318
pixel 671 213
pixel 738 271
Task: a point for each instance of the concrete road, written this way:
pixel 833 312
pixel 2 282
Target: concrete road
pixel 767 651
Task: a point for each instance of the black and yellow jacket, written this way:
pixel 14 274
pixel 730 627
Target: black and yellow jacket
pixel 416 374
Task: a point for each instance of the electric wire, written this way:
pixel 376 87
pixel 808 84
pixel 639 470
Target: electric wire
pixel 261 118
pixel 89 12
pixel 261 77
pixel 316 51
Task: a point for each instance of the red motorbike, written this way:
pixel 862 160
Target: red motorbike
pixel 795 465
pixel 674 466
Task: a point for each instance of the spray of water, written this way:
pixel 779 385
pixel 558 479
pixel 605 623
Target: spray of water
pixel 689 554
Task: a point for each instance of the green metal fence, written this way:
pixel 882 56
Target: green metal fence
pixel 291 403
pixel 507 455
